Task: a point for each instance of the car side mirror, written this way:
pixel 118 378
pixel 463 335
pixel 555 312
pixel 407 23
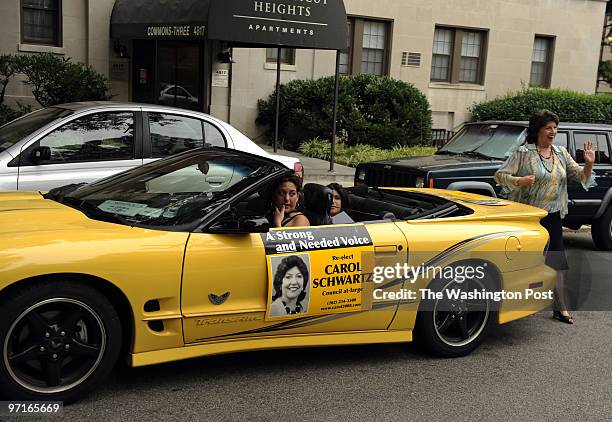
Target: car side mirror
pixel 255 224
pixel 39 154
pixel 247 224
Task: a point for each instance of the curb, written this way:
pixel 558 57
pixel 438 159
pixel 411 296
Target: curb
pixel 327 178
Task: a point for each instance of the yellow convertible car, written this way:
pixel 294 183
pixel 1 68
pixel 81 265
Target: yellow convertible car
pixel 176 259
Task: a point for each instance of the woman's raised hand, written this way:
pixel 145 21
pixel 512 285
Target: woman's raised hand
pixel 589 153
pixel 279 215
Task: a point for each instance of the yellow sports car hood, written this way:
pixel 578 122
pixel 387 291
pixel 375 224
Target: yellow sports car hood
pixel 30 212
pixel 41 236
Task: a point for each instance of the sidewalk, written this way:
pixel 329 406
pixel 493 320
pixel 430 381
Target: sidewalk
pixel 317 171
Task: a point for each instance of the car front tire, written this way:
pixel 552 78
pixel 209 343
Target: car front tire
pixel 59 341
pixel 601 231
pixel 451 328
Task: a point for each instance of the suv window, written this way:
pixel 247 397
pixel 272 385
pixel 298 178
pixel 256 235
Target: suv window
pixel 95 137
pixel 600 144
pixel 562 139
pixel 492 140
pixel 172 134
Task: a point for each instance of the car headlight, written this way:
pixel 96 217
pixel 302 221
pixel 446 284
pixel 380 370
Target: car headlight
pixel 361 174
pixel 420 182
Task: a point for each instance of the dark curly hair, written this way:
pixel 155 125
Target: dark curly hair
pixel 343 195
pixel 537 121
pixel 291 178
pixel 285 265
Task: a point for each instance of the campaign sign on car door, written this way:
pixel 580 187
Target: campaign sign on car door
pixel 313 271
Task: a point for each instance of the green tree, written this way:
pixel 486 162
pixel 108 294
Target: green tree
pixel 8 68
pixel 372 110
pixel 57 80
pixel 570 106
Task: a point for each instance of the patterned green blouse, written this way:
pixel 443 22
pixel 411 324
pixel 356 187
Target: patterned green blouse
pixel 549 191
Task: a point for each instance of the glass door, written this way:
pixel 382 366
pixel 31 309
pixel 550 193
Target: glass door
pixel 178 70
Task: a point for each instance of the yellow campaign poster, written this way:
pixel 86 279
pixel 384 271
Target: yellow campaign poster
pixel 314 271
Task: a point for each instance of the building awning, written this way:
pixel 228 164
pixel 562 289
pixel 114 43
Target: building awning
pixel 160 19
pixel 319 24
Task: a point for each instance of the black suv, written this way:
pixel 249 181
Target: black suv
pixel 471 158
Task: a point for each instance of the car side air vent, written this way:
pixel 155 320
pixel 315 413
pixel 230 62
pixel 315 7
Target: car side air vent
pixel 152 306
pixel 157 326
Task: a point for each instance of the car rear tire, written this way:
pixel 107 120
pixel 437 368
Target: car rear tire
pixel 452 328
pixel 601 231
pixel 59 341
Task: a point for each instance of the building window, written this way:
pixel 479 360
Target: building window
pixel 41 22
pixel 346 56
pixel 373 52
pixel 458 55
pixel 287 55
pixel 344 63
pixel 471 47
pixel 442 55
pixel 541 61
pixel 368 49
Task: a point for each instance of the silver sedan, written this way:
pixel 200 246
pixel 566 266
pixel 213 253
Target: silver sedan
pixel 83 142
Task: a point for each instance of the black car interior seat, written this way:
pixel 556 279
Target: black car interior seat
pixel 364 207
pixel 317 203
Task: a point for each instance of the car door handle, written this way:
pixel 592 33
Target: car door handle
pixel 385 250
pixel 216 180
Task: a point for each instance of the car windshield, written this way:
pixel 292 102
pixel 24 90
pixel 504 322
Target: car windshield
pixel 174 191
pixel 14 131
pixel 486 140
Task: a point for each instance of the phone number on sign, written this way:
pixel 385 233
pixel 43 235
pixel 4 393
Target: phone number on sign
pixel 31 407
pixel 341 303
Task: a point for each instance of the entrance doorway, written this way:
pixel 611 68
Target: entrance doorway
pixel 168 73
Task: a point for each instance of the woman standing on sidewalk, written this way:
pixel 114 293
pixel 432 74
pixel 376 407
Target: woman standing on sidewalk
pixel 536 174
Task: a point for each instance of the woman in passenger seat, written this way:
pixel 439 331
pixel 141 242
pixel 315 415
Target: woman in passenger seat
pixel 340 204
pixel 284 201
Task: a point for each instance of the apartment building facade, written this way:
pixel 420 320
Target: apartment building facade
pixel 603 86
pixel 457 52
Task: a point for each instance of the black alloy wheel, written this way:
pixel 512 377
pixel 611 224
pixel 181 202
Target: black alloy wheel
pixel 454 326
pixel 59 340
pixel 458 322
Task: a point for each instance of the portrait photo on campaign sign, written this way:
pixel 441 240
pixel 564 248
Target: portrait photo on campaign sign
pixel 290 289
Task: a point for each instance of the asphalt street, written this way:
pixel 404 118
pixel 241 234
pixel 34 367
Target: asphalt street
pixel 532 369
